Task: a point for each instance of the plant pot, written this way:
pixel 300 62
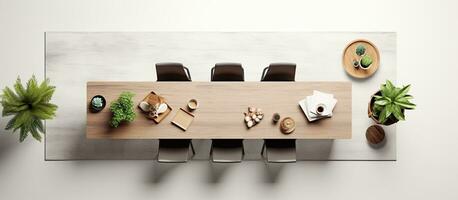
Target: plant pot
pixel 362 66
pixel 391 120
pixel 97 109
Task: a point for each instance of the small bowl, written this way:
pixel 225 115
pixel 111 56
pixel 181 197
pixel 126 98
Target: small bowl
pixel 193 104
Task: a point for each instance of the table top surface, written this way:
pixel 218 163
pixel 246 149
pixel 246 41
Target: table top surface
pixel 221 107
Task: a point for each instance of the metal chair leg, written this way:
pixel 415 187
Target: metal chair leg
pixel 192 149
pixel 189 74
pixel 264 73
pixel 211 73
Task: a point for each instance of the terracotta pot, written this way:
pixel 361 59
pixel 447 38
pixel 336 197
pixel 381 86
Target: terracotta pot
pixel 391 120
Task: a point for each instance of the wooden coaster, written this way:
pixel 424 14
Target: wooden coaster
pixel 375 134
pixel 349 55
pixel 183 119
pixel 287 125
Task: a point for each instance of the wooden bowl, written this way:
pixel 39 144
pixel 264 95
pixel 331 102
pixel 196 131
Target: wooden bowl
pixel 375 134
pixel 193 104
pixel 287 125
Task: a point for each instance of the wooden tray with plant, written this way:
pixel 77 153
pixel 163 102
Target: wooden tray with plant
pixel 361 59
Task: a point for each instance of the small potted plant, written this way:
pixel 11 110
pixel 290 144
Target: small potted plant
pixel 365 62
pixel 98 103
pixel 122 109
pixel 387 106
pixel 360 50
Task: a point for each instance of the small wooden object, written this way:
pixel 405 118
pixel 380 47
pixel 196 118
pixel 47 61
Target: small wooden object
pixel 152 98
pixel 287 125
pixel 375 134
pixel 349 55
pixel 183 119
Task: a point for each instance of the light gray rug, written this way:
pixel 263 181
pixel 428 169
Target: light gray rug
pixel 73 58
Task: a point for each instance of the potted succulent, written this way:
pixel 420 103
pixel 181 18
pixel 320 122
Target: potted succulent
pixel 360 50
pixel 365 62
pixel 387 106
pixel 98 103
pixel 122 109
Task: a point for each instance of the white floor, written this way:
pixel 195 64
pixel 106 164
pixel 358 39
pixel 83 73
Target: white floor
pixel 427 141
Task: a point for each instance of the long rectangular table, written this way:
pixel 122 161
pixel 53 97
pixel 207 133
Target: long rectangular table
pixel 221 107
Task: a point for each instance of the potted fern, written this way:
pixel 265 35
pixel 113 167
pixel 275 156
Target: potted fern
pixel 387 106
pixel 30 106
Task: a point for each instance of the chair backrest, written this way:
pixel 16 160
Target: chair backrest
pixel 279 72
pixel 227 72
pixel 172 72
pixel 281 143
pixel 227 143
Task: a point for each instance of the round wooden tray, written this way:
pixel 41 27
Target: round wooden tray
pixel 349 55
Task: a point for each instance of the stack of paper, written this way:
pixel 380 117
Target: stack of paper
pixel 318 106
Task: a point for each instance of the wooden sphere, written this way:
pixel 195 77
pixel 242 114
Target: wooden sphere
pixel 375 134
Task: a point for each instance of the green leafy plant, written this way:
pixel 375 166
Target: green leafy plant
pixel 392 102
pixel 360 50
pixel 29 105
pixel 97 102
pixel 366 61
pixel 122 109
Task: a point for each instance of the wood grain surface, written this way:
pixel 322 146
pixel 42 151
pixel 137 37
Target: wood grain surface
pixel 221 107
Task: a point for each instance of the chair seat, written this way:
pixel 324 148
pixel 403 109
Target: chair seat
pixel 173 151
pixel 280 151
pixel 227 150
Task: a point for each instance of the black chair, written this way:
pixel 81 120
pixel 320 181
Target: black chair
pixel 173 150
pixel 227 150
pixel 281 150
pixel 279 72
pixel 172 72
pixel 227 72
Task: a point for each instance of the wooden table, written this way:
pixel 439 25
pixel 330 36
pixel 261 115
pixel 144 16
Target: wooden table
pixel 221 108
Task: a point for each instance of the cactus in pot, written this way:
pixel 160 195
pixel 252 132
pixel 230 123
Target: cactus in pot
pixel 366 61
